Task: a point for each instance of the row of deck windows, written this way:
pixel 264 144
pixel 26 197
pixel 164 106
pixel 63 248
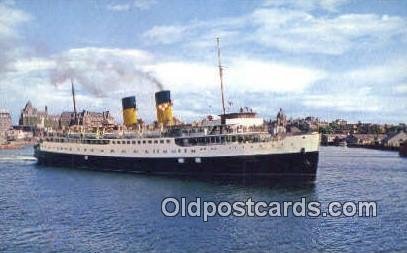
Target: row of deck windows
pixel 104 142
pixel 141 142
pixel 208 140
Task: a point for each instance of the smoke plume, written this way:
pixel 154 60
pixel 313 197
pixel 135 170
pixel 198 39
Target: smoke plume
pixel 101 71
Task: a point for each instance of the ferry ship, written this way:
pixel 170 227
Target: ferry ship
pixel 234 145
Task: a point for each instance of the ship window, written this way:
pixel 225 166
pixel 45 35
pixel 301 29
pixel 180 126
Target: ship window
pixel 135 151
pixel 185 150
pixel 146 151
pixel 155 142
pixel 161 141
pixel 123 151
pixel 138 142
pixel 164 151
pixel 144 142
pixel 168 141
pixel 133 142
pixel 149 142
pixel 128 142
pixel 113 142
pixel 102 151
pixel 112 151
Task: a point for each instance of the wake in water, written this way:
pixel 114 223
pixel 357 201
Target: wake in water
pixel 18 158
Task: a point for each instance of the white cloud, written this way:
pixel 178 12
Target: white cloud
pixel 144 4
pixel 301 32
pixel 242 74
pixel 23 66
pixel 257 76
pixel 10 19
pixel 165 34
pixel 345 102
pixel 119 7
pixel 181 76
pixel 329 5
pixel 388 73
pixel 289 30
pixel 135 4
pixel 401 89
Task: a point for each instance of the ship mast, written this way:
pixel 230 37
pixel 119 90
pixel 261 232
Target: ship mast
pixel 221 78
pixel 74 103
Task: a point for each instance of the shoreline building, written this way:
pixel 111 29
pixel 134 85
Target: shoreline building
pixel 5 125
pixel 5 120
pixel 32 118
pixel 86 118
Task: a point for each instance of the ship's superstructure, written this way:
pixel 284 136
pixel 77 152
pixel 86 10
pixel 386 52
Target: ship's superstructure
pixel 237 144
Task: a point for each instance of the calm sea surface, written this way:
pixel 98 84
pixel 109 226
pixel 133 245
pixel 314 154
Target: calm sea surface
pixel 44 209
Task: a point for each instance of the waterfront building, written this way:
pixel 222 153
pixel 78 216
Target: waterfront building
pixel 33 118
pixel 95 119
pixel 66 119
pixel 86 118
pixel 394 140
pixel 5 121
pixel 365 139
pixel 19 135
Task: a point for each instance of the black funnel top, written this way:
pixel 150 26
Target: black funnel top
pixel 129 102
pixel 163 96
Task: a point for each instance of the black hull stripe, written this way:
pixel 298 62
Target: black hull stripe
pixel 276 165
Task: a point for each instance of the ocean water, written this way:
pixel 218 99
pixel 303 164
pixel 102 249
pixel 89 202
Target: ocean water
pixel 45 209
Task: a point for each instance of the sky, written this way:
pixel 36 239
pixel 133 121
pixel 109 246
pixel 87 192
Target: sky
pixel 330 59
